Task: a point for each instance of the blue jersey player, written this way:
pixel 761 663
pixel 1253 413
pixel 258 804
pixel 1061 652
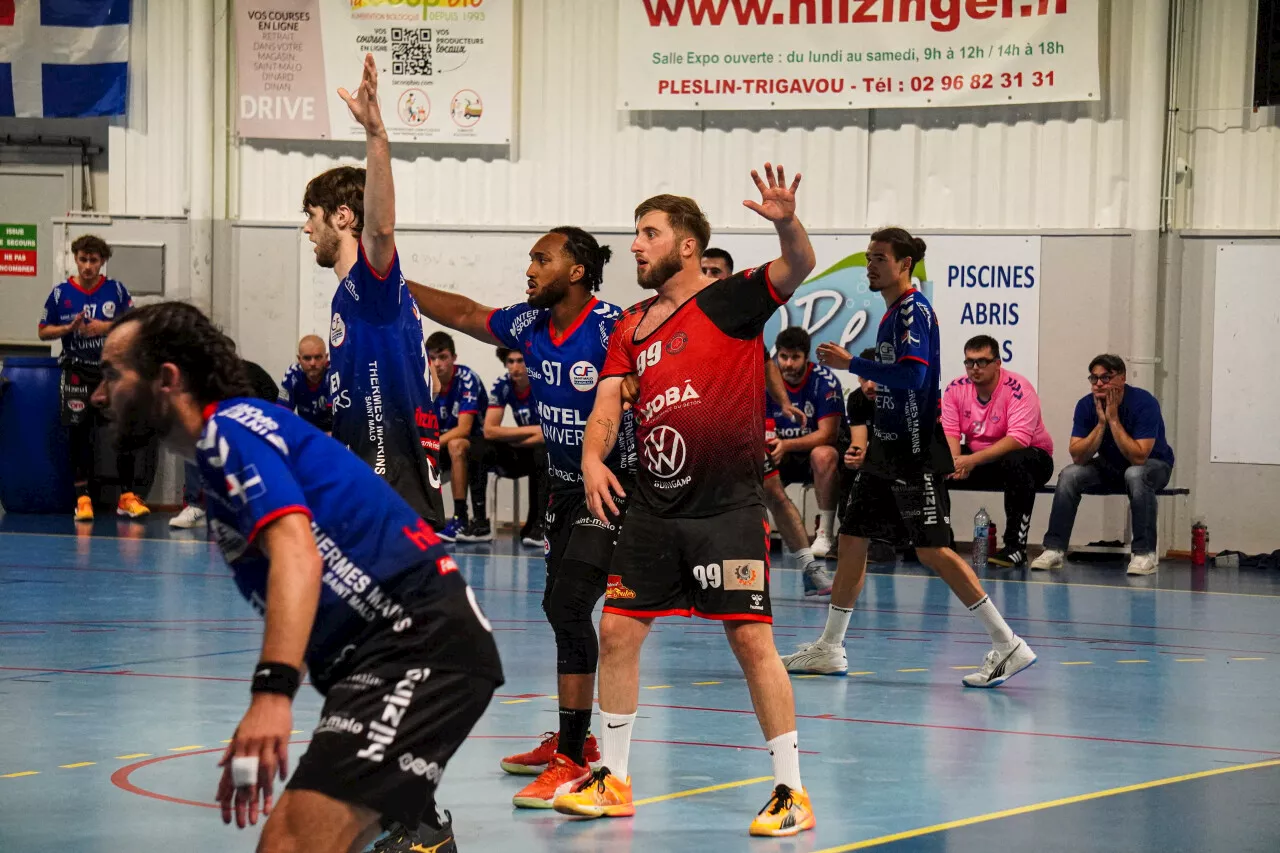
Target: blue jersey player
pixel 520 450
pixel 563 332
pixel 354 588
pixel 460 403
pixel 899 493
pixel 305 387
pixel 380 382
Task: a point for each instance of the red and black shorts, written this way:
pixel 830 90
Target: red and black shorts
pixel 794 468
pixel 715 567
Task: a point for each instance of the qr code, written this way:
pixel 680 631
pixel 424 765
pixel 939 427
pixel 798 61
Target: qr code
pixel 410 52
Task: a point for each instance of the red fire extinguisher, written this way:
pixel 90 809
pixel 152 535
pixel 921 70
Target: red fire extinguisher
pixel 991 537
pixel 1199 543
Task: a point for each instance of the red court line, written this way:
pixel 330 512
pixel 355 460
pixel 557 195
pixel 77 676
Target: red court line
pixel 120 778
pixel 975 729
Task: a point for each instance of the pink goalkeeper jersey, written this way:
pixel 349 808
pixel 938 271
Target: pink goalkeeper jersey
pixel 1013 410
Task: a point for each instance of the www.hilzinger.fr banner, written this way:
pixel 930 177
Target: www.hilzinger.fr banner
pixel 859 54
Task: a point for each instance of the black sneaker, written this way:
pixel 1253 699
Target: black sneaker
pixel 533 537
pixel 425 839
pixel 1009 558
pixel 478 530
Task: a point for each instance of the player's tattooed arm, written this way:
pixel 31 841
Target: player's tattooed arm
pixel 601 433
pixel 610 432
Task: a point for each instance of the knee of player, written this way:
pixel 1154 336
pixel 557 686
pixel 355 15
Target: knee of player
pixel 774 494
pixel 458 448
pixel 750 641
pixel 823 458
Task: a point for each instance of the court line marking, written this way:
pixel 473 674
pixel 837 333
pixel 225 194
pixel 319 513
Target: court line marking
pixel 133 755
pixel 1248 658
pixel 1138 660
pixel 1188 660
pixel 1049 804
pixel 77 764
pixel 693 792
pixel 1076 662
pixel 917 669
pixel 186 748
pixel 20 773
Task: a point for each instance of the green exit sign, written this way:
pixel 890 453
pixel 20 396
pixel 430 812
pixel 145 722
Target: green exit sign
pixel 17 236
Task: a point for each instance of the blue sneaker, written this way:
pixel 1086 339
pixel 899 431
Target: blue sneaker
pixel 817 580
pixel 451 530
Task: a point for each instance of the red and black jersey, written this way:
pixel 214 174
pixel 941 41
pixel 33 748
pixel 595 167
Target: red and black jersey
pixel 701 432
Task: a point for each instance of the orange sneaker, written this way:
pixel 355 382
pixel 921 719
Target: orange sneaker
pixel 562 776
pixel 599 795
pixel 788 812
pixel 84 508
pixel 132 506
pixel 538 759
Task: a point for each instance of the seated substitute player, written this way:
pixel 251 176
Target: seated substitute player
pixel 520 450
pixel 817 580
pixel 1006 445
pixel 460 401
pixel 899 493
pixel 305 387
pixel 79 311
pixel 353 586
pixel 805 452
pixel 696 541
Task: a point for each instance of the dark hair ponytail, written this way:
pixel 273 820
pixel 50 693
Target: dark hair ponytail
pixel 585 250
pixel 902 243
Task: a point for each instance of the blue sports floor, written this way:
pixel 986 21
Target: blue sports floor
pixel 1149 723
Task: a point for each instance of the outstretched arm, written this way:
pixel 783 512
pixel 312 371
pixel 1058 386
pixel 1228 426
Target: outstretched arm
pixel 378 235
pixel 778 205
pixel 453 310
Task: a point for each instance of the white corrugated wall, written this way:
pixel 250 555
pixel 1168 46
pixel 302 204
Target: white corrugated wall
pixel 1233 152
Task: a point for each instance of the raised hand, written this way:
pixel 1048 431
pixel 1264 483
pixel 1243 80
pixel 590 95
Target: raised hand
pixel 833 355
pixel 777 200
pixel 364 103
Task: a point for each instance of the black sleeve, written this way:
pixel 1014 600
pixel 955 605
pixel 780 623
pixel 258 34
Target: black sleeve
pixel 741 304
pixel 861 409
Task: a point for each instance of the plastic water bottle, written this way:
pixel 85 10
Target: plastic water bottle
pixel 981 526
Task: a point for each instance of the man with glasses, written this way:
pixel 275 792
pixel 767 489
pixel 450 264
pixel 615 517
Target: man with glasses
pixel 1117 443
pixel 1006 446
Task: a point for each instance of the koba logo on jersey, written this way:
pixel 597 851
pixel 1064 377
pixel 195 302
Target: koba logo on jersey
pixel 337 330
pixel 382 732
pixel 583 375
pixel 664 452
pixel 668 398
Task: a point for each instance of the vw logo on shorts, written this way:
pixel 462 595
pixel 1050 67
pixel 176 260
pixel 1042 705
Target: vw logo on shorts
pixel 664 452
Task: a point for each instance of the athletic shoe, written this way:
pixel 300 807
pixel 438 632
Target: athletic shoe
pixel 1143 564
pixel 539 758
pixel 599 795
pixel 562 776
pixel 817 658
pixel 1052 558
pixel 1001 665
pixel 788 812
pixel 822 546
pixel 817 580
pixel 191 516
pixel 533 537
pixel 1008 558
pixel 451 530
pixel 84 508
pixel 399 839
pixel 131 506
pixel 477 531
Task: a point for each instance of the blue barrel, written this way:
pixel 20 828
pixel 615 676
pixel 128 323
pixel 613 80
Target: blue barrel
pixel 35 461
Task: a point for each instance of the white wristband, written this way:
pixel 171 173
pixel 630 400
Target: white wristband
pixel 244 771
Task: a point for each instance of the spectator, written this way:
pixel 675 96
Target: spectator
pixel 1006 446
pixel 305 387
pixel 805 452
pixel 717 263
pixel 1117 445
pixel 460 398
pixel 518 451
pixel 80 311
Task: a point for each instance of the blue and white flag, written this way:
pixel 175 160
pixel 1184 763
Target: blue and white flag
pixel 63 58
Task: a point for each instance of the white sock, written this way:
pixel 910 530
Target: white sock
pixel 785 751
pixel 837 624
pixel 828 521
pixel 805 557
pixel 1001 633
pixel 616 749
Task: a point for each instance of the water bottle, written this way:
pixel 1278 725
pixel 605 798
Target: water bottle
pixel 991 538
pixel 981 525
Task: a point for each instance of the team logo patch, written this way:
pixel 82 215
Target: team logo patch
pixel 75 405
pixel 445 565
pixel 337 330
pixel 744 575
pixel 108 310
pixel 664 452
pixel 677 343
pixel 616 589
pixel 583 375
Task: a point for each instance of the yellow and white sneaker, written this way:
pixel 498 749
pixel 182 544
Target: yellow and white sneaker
pixel 132 506
pixel 788 812
pixel 599 795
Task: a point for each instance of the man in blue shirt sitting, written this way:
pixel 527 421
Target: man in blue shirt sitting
pixel 1117 442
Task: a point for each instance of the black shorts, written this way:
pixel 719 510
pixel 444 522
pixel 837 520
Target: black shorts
pixel 79 381
pixel 513 462
pixel 715 567
pixel 398 704
pixel 574 534
pixel 475 453
pixel 912 508
pixel 795 468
